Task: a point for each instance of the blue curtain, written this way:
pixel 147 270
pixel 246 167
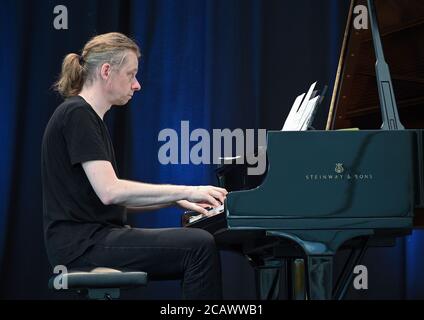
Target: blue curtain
pixel 173 73
pixel 414 265
pixel 215 63
pixel 8 88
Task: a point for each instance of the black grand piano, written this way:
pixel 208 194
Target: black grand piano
pixel 360 188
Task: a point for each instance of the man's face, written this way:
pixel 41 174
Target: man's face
pixel 123 82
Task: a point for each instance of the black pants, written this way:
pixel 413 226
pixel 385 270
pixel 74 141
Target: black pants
pixel 174 253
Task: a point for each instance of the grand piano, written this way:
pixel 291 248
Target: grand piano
pixel 330 190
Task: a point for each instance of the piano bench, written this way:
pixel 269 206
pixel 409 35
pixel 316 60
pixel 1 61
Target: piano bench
pixel 98 283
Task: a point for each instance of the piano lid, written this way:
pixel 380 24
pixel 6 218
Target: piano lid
pixel 355 101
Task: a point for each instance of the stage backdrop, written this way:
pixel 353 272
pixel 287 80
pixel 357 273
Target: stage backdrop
pixel 215 63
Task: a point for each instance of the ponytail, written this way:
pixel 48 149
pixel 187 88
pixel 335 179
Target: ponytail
pixel 71 77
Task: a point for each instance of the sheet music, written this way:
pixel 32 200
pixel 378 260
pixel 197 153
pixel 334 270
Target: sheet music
pixel 289 124
pixel 306 119
pixel 301 114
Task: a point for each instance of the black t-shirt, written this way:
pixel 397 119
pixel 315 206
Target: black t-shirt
pixel 74 217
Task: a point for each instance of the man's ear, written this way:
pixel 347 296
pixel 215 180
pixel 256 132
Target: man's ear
pixel 105 71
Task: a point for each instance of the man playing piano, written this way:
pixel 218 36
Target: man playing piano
pixel 85 202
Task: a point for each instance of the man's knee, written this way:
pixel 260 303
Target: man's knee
pixel 203 240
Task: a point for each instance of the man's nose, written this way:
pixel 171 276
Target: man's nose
pixel 136 85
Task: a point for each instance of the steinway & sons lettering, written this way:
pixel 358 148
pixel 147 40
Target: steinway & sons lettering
pixel 331 177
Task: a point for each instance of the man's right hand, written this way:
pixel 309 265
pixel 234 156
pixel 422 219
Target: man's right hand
pixel 212 195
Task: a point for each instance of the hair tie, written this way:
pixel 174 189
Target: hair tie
pixel 81 60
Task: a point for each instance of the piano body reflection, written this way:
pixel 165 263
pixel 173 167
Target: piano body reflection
pixel 337 189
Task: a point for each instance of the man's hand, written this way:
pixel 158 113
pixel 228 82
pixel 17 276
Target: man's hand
pixel 191 206
pixel 213 196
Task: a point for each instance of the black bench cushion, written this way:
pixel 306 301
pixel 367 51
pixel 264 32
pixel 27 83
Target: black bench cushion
pixel 101 278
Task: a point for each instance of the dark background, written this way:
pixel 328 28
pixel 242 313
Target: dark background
pixel 217 63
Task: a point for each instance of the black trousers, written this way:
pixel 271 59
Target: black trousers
pixel 172 253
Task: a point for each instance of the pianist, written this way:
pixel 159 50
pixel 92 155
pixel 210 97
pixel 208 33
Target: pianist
pixel 85 202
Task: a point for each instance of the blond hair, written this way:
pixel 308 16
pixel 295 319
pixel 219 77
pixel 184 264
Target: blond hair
pixel 105 48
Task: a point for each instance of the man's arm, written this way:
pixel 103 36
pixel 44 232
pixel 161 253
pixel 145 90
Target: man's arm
pixel 150 208
pixel 112 190
pixel 184 204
